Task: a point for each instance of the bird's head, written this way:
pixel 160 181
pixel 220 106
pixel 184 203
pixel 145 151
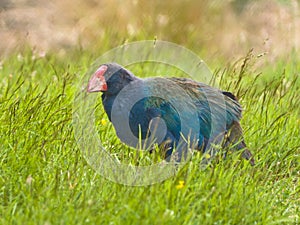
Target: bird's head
pixel 110 78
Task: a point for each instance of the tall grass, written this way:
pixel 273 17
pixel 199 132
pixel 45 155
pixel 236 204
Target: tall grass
pixel 44 178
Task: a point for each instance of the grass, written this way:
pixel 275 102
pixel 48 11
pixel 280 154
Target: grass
pixel 44 178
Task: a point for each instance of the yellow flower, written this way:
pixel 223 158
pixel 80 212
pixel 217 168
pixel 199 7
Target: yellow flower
pixel 103 122
pixel 207 156
pixel 180 184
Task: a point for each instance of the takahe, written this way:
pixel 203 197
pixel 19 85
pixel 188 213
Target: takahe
pixel 172 111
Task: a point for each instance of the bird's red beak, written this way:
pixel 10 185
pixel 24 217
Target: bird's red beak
pixel 97 82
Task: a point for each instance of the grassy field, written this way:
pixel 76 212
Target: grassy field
pixel 44 178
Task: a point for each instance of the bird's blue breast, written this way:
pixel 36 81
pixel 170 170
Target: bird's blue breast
pixel 149 108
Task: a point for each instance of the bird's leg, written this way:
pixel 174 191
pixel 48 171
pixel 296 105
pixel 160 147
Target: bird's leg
pixel 166 148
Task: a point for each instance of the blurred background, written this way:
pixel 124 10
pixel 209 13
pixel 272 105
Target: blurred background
pixel 217 29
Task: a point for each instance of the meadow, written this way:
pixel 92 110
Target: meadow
pixel 45 178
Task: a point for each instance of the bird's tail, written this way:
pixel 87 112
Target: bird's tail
pixel 235 137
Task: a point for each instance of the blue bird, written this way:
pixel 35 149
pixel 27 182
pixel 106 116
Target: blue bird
pixel 170 112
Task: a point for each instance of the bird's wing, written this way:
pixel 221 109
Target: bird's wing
pixel 214 107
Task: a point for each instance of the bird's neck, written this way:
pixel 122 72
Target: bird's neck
pixel 108 98
pixel 108 101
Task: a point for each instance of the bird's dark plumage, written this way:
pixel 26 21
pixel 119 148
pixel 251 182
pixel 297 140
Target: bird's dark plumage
pixel 194 110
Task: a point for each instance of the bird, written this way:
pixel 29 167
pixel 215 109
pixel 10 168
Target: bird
pixel 177 113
